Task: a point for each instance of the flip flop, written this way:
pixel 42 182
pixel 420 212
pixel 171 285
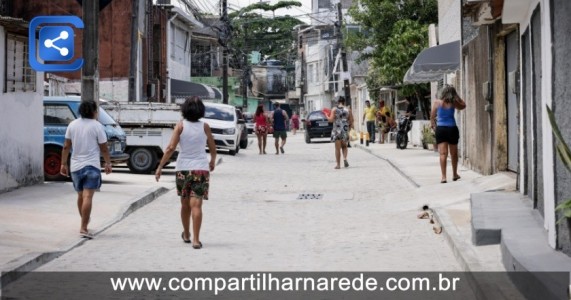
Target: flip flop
pixel 456 178
pixel 282 150
pixel 443 181
pixel 182 237
pixel 197 246
pixel 346 164
pixel 86 235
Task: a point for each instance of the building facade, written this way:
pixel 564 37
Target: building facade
pixel 21 122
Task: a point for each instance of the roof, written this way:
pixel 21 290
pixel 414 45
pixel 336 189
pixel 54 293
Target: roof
pixel 14 24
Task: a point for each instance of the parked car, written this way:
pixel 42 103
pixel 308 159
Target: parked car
pixel 317 125
pixel 249 118
pixel 58 113
pixel 225 125
pixel 243 129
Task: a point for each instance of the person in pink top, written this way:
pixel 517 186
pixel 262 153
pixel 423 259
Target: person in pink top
pixel 295 122
pixel 261 128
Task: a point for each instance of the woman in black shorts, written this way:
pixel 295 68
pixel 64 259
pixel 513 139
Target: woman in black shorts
pixel 447 134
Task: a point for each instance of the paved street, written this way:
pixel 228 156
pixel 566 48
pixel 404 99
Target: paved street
pixel 366 221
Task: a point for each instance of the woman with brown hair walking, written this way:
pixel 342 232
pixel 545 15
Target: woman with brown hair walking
pixel 447 134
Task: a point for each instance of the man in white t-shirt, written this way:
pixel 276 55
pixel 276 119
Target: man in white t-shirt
pixel 88 139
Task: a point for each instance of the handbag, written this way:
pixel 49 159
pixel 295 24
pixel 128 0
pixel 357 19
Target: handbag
pixel 353 136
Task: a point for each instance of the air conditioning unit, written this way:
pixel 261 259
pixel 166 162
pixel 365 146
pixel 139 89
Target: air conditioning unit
pixel 163 2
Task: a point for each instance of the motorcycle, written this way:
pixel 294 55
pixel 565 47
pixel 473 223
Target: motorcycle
pixel 404 126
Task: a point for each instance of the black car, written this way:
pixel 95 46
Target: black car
pixel 317 125
pixel 249 118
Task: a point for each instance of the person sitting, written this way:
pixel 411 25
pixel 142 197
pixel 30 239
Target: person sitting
pixel 385 119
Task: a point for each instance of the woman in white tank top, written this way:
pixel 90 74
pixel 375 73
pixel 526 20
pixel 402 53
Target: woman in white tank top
pixel 192 166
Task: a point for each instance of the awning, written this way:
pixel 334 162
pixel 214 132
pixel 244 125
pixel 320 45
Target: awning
pixel 217 93
pixel 432 63
pixel 181 89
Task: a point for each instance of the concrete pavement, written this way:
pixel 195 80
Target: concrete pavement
pixel 48 221
pixel 450 201
pixel 39 223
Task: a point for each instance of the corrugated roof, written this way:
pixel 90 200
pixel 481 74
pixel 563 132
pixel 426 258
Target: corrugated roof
pixel 16 25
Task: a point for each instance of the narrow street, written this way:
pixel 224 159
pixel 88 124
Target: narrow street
pixel 254 221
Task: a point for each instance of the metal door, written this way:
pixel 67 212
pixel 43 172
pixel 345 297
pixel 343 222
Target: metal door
pixel 512 53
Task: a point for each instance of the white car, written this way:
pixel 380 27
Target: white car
pixel 225 126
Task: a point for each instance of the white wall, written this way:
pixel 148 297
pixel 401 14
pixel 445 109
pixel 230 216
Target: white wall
pixel 116 89
pixel 179 65
pixel 449 21
pixel 21 132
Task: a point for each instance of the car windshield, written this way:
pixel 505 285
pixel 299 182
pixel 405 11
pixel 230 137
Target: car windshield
pixel 219 113
pixel 105 118
pixel 317 116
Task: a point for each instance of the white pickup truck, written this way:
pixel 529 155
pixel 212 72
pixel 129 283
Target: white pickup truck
pixel 149 127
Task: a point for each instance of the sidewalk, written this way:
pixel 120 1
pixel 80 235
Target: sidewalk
pixel 451 201
pixel 47 225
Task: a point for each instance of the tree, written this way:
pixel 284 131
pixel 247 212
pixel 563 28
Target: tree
pixel 272 37
pixel 397 29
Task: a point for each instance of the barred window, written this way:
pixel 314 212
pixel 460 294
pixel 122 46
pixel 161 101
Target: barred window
pixel 20 77
pixel 201 59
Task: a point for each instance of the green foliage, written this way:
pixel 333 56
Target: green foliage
pixel 565 155
pixel 272 37
pixel 398 29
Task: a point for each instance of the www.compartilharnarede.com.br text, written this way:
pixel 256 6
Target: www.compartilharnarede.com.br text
pixel 267 282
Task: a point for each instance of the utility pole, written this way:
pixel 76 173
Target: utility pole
pixel 225 52
pixel 245 74
pixel 90 70
pixel 134 51
pixel 346 84
pixel 302 71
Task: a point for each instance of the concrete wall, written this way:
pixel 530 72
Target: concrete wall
pixel 116 89
pixel 21 132
pixel 449 21
pixel 561 26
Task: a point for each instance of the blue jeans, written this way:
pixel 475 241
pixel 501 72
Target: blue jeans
pixel 87 178
pixel 371 130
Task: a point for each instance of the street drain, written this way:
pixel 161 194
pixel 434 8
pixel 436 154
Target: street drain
pixel 309 196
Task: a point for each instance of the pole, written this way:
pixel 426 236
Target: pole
pixel 134 51
pixel 225 53
pixel 346 84
pixel 90 70
pixel 245 75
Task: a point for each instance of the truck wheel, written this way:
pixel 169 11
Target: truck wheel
pixel 52 164
pixel 142 161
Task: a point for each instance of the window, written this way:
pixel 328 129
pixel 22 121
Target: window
pixel 57 114
pixel 180 45
pixel 324 4
pixel 20 77
pixel 201 59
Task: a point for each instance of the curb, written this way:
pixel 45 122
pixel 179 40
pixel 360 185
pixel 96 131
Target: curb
pixel 390 162
pixel 31 261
